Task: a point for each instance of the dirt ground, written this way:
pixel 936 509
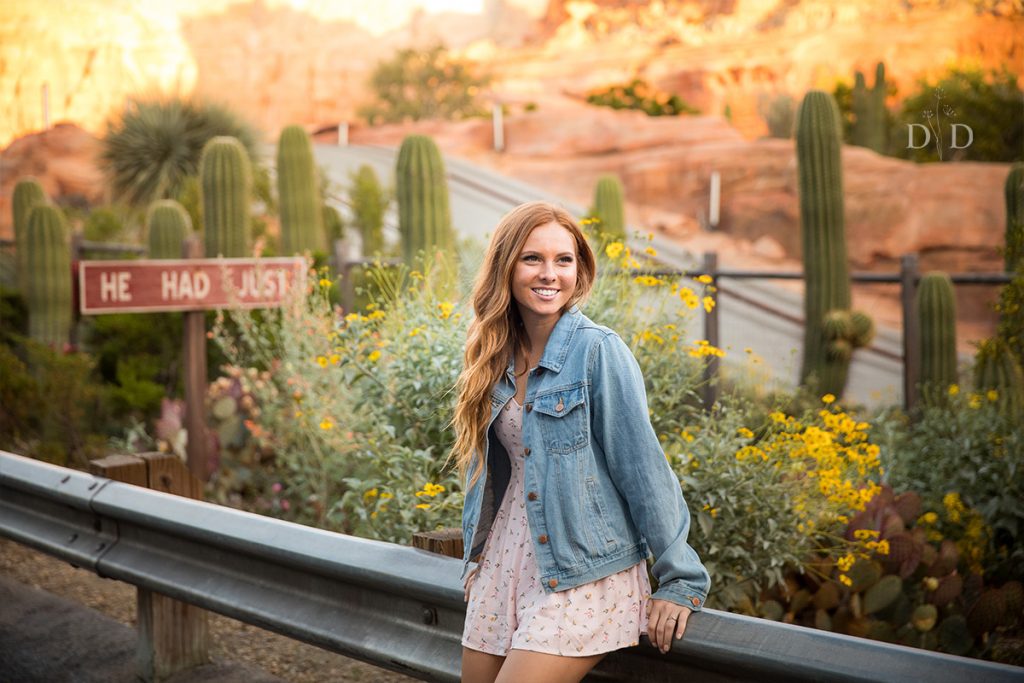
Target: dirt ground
pixel 230 639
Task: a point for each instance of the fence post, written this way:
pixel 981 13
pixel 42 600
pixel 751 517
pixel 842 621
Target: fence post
pixel 172 635
pixel 911 330
pixel 194 348
pixel 710 374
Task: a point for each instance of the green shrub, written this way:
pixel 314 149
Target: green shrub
pixel 103 224
pixel 637 94
pixel 424 84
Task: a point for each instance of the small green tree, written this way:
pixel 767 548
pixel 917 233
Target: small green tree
pixel 149 151
pixel 424 84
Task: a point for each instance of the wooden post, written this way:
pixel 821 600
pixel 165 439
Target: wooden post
pixel 173 635
pixel 194 357
pixel 911 331
pixel 710 374
pixel 446 542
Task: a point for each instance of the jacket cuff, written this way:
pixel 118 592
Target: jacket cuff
pixel 681 595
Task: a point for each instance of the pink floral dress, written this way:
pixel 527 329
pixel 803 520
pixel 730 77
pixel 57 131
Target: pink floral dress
pixel 508 608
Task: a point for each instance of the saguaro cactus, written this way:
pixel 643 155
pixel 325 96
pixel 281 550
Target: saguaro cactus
pixel 831 330
pixel 1014 192
pixel 48 276
pixel 608 206
pixel 936 308
pixel 302 226
pixel 226 186
pixel 997 369
pixel 869 127
pixel 168 225
pixel 28 194
pixel 424 217
pixel 369 203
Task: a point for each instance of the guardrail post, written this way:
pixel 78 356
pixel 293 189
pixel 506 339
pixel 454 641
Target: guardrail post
pixel 709 377
pixel 173 635
pixel 911 330
pixel 447 541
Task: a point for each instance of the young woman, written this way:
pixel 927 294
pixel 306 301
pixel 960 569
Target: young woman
pixel 567 488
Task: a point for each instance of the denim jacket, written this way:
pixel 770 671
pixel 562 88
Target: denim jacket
pixel 601 495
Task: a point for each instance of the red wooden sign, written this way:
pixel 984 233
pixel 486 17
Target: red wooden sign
pixel 186 284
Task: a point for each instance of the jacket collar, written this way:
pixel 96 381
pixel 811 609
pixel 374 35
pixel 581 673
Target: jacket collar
pixel 558 344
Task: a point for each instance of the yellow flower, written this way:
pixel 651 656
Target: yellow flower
pixel 324 282
pixel 423 506
pixel 321 361
pixel 709 303
pixel 326 424
pixel 844 563
pixel 372 493
pixel 376 315
pixel 828 398
pixel 417 330
pixel 745 433
pixel 335 359
pixel 973 401
pixel 352 317
pixel 374 356
pixel 446 309
pixel 778 416
pixel 928 518
pixel 386 495
pixel 650 251
pixel 704 279
pixel 614 249
pixel 992 395
pixel 953 390
pixel 847 581
pixel 861 534
pixel 647 280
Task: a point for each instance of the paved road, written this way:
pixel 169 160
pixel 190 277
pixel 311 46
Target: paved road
pixel 480 197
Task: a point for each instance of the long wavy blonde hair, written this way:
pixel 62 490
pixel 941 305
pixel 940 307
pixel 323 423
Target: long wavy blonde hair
pixel 497 329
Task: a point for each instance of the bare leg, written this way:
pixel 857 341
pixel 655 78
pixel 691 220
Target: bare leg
pixel 539 667
pixel 479 667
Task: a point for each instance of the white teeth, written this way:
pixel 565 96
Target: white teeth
pixel 546 292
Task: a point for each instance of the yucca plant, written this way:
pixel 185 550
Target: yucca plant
pixel 150 149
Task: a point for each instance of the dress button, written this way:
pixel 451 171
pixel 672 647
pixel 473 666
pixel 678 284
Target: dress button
pixel 553 582
pixel 529 407
pixel 695 601
pixel 532 495
pixel 526 451
pixel 543 538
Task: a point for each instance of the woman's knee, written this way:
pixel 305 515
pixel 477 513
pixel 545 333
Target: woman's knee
pixel 480 667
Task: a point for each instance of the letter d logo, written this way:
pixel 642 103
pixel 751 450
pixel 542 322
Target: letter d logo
pixel 910 135
pixel 970 138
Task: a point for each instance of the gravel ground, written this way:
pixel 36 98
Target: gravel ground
pixel 230 639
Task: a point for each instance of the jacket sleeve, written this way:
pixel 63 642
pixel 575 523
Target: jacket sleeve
pixel 622 428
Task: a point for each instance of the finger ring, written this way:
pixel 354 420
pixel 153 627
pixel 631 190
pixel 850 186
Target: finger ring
pixel 672 619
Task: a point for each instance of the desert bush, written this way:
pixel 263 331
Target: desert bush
pixel 637 94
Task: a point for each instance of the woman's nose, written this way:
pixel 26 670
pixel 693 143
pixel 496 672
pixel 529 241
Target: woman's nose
pixel 547 272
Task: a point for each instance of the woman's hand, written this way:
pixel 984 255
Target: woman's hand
pixel 470 577
pixel 663 619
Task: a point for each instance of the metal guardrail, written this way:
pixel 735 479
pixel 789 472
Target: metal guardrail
pixel 397 607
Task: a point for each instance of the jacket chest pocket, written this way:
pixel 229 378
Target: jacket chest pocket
pixel 562 416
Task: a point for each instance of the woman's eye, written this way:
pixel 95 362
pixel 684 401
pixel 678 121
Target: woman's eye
pixel 531 257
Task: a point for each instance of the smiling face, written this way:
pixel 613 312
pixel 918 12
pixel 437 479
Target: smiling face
pixel 544 278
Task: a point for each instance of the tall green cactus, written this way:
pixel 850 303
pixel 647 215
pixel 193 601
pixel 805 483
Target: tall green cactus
pixel 226 186
pixel 48 277
pixel 869 126
pixel 424 218
pixel 167 226
pixel 302 225
pixel 936 308
pixel 608 206
pixel 28 194
pixel 831 331
pixel 997 369
pixel 1014 193
pixel 369 202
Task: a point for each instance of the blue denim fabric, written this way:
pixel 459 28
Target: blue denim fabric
pixel 606 496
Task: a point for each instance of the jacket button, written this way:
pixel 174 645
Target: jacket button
pixel 529 407
pixel 532 495
pixel 526 451
pixel 695 601
pixel 543 538
pixel 560 406
pixel 553 582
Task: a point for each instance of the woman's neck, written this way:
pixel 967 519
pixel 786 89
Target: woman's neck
pixel 538 330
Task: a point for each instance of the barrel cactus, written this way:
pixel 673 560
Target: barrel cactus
pixel 424 217
pixel 302 225
pixel 832 332
pixel 167 225
pixel 28 194
pixel 609 208
pixel 226 187
pixel 48 276
pixel 936 309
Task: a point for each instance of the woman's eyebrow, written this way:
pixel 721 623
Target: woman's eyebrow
pixel 534 251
